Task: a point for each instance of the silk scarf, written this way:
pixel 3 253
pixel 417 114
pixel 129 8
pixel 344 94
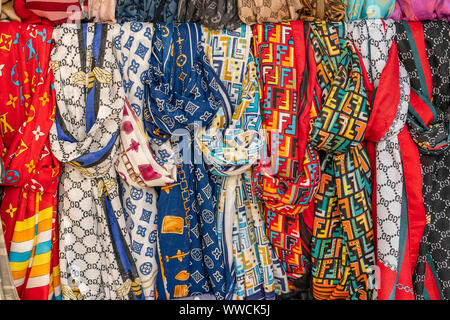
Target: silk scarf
pixel 28 206
pixel 343 253
pixel 96 262
pixel 146 10
pixel 423 48
pixel 51 11
pixel 231 152
pixel 368 9
pixel 419 10
pixel 185 94
pixel 328 10
pixel 214 14
pixel 287 177
pixel 102 11
pixel 7 12
pixel 140 166
pixel 388 116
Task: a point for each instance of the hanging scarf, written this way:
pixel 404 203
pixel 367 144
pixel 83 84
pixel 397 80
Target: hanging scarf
pixel 28 206
pixel 390 169
pixel 102 10
pixel 287 187
pixel 139 165
pixel 343 253
pixel 423 48
pixel 95 260
pixel 185 94
pixel 7 12
pixel 419 10
pixel 146 10
pixel 50 11
pixel 231 152
pixel 328 10
pixel 368 9
pixel 214 14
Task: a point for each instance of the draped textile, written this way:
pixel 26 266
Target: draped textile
pixel 146 10
pixel 102 11
pixel 7 288
pixel 141 166
pixel 424 49
pixel 95 259
pixel 286 179
pixel 185 94
pixel 7 12
pixel 387 120
pixel 31 172
pixel 419 10
pixel 230 152
pixel 343 253
pixel 51 12
pixel 276 11
pixel 214 14
pixel 368 9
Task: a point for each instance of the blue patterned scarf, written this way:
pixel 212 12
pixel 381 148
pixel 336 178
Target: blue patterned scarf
pixel 146 10
pixel 185 93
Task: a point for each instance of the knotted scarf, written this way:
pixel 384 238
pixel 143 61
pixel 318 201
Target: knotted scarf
pixel 94 248
pixel 343 253
pixel 214 14
pixel 52 12
pixel 146 10
pixel 140 166
pixel 424 49
pixel 185 94
pixel 419 10
pixel 386 128
pixel 28 206
pixel 368 9
pixel 287 178
pixel 230 152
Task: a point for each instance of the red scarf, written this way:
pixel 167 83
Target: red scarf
pixel 28 207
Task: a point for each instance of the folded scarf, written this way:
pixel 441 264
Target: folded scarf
pixel 28 207
pixel 230 152
pixel 287 178
pixel 141 166
pixel 343 253
pixel 368 9
pixel 276 11
pixel 96 262
pixel 51 12
pixel 102 10
pixel 419 10
pixel 423 48
pixel 185 94
pixel 146 10
pixel 389 163
pixel 214 14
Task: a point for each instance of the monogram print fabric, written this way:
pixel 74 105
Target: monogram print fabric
pixel 343 252
pixel 30 173
pixel 94 240
pixel 287 177
pixel 214 14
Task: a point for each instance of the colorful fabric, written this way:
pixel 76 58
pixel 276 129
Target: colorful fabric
pixel 141 166
pixel 31 172
pixel 387 121
pixel 102 11
pixel 96 262
pixel 343 252
pixel 328 10
pixel 423 48
pixel 419 10
pixel 368 9
pixel 184 95
pixel 230 152
pixel 146 10
pixel 214 14
pixel 287 187
pixel 52 12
